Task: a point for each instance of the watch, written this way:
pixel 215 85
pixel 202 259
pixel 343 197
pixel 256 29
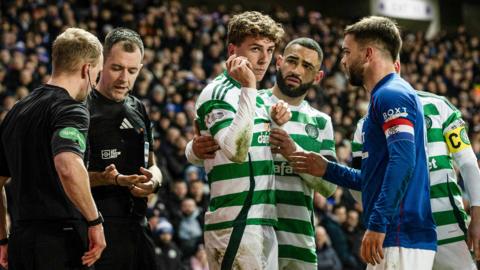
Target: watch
pixel 98 220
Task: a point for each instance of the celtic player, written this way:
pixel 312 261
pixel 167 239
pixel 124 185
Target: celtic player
pixel 297 70
pixel 239 222
pixel 447 140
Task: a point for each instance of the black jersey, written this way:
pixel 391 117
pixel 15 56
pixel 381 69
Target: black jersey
pixel 43 124
pixel 120 133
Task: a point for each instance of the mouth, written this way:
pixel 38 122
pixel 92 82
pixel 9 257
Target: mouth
pixel 120 88
pixel 259 71
pixel 293 80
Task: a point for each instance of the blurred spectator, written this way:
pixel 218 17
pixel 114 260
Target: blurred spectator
pixel 327 258
pixel 190 227
pixel 197 192
pixel 354 233
pixel 167 253
pixel 199 261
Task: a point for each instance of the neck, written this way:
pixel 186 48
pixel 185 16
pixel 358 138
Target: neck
pixel 376 73
pixel 293 101
pixel 68 82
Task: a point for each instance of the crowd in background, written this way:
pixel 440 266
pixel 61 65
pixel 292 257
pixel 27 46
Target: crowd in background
pixel 184 50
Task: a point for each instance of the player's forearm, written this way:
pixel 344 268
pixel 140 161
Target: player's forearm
pixel 318 184
pixel 100 179
pixel 74 178
pixel 467 162
pixel 343 176
pixel 397 175
pixel 235 140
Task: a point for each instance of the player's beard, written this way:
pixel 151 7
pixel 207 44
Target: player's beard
pixel 355 74
pixel 291 91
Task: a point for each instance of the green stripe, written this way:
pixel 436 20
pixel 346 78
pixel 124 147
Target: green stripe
pixel 224 93
pixel 220 125
pixel 440 162
pixel 451 240
pixel 319 122
pixel 214 92
pixel 297 198
pixel 447 217
pixel 356 147
pixel 261 120
pixel 261 138
pixel 237 84
pixel 441 190
pixel 298 253
pixel 454 116
pixel 328 145
pixel 435 135
pixel 430 109
pixel 237 199
pixel 235 170
pixel 250 221
pixel 295 226
pixel 307 143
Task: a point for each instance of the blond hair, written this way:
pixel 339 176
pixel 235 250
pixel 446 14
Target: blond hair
pixel 255 24
pixel 73 48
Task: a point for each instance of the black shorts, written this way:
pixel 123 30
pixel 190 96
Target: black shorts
pixel 129 246
pixel 47 246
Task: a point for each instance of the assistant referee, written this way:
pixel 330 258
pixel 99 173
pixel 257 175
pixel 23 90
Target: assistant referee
pixel 120 141
pixel 41 148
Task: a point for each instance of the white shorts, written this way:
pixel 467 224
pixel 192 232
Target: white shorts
pixel 258 248
pixel 454 256
pixel 399 258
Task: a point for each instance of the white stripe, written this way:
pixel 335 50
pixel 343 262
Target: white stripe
pixel 290 183
pixel 294 264
pixel 440 176
pixel 443 203
pixel 293 212
pixel 437 149
pixel 257 154
pixel 448 231
pixel 293 239
pixel 124 126
pixel 357 154
pixel 125 120
pixel 236 185
pixel 230 213
pixel 398 129
pixel 395 116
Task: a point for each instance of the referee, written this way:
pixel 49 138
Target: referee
pixel 120 144
pixel 41 148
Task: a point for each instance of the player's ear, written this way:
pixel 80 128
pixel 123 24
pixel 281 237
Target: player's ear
pixel 279 61
pixel 318 77
pixel 231 49
pixel 84 70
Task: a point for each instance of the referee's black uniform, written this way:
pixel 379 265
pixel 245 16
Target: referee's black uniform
pixel 120 133
pixel 49 232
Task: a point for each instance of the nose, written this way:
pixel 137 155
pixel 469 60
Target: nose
pixel 263 57
pixel 123 75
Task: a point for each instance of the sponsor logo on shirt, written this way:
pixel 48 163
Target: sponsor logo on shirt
pixel 73 134
pixel 110 153
pixel 395 113
pixel 283 169
pixel 126 124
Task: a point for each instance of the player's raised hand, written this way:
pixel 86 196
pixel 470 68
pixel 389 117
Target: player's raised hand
pixel 311 163
pixel 204 147
pixel 240 69
pixel 280 113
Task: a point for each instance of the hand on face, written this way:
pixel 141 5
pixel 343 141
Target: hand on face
pixel 241 70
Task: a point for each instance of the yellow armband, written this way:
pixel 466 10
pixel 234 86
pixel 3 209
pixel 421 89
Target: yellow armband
pixel 457 139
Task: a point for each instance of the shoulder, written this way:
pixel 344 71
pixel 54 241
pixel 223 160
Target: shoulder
pixel 322 119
